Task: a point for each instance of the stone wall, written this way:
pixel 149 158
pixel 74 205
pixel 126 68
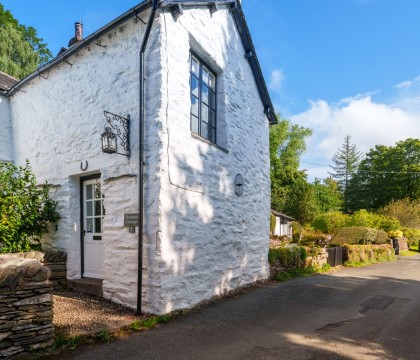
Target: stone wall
pixel 56 262
pixel 25 306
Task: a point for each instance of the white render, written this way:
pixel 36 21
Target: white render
pixel 6 146
pixel 201 239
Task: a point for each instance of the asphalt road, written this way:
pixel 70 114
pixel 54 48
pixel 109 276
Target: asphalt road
pixel 358 313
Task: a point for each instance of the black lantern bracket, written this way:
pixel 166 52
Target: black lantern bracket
pixel 121 126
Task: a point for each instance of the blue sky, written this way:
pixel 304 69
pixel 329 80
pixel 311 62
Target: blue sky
pixel 337 66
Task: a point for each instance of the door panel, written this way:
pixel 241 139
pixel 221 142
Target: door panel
pixel 93 214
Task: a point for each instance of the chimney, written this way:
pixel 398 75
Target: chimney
pixel 78 33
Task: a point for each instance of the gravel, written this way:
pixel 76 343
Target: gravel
pixel 76 313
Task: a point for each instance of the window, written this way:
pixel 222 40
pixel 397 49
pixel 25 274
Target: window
pixel 203 99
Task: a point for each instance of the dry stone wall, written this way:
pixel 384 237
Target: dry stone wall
pixel 25 306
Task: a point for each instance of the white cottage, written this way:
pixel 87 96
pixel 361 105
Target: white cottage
pixel 194 163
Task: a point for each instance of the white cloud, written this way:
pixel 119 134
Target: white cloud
pixel 276 80
pixel 404 84
pixel 367 122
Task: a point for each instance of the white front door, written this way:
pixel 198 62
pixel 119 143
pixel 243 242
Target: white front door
pixel 93 214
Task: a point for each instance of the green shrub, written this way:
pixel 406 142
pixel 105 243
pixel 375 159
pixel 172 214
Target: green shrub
pixel 412 235
pixel 373 220
pixel 406 211
pixel 272 223
pixel 330 222
pixel 297 230
pixel 290 257
pixel 359 235
pixel 315 239
pixel 381 237
pixel 356 255
pixel 25 209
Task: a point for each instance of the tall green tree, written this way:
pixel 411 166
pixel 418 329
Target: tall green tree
pixel 345 163
pixel 21 50
pixel 328 195
pixel 387 173
pixel 287 144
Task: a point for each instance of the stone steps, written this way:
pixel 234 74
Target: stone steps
pixel 87 286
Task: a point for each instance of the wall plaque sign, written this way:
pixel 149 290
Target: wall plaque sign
pixel 131 220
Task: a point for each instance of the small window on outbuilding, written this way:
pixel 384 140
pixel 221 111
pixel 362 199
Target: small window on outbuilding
pixel 203 99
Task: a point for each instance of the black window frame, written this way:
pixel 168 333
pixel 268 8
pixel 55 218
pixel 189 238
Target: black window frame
pixel 203 123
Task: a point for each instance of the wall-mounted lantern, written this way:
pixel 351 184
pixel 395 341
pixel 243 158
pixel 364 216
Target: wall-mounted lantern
pixel 109 141
pixel 118 128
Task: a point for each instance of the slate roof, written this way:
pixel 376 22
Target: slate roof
pixel 279 214
pixel 240 22
pixel 7 81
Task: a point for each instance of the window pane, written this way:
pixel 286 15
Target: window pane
pixel 98 224
pixel 194 105
pixel 89 225
pixel 204 113
pixel 205 76
pixel 194 85
pixel 204 131
pixel 212 81
pixel 205 94
pixel 194 65
pixel 212 134
pixel 98 194
pixel 212 120
pixel 213 100
pixel 89 191
pixel 194 124
pixel 89 206
pixel 103 209
pixel 98 208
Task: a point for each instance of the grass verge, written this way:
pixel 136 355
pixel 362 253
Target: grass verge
pixel 307 271
pixel 64 342
pixel 408 253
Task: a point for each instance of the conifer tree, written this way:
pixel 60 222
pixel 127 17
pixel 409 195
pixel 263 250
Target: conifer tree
pixel 345 163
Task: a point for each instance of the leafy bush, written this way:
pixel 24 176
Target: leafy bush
pixel 406 211
pixel 412 235
pixel 373 220
pixel 315 239
pixel 290 257
pixel 330 222
pixel 359 235
pixel 297 230
pixel 25 209
pixel 277 241
pixel 395 234
pixel 356 255
pixel 272 223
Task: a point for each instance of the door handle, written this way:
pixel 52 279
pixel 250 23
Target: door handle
pixel 84 233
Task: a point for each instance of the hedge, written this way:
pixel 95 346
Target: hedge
pixel 291 257
pixel 359 235
pixel 367 254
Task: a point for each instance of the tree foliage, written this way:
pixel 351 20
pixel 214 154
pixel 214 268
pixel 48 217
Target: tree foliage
pixel 25 209
pixel 386 174
pixel 346 161
pixel 328 195
pixel 405 210
pixel 290 191
pixel 21 50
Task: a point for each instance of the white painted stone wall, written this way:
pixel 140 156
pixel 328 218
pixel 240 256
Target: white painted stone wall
pixel 58 122
pixel 6 146
pixel 210 240
pixel 201 239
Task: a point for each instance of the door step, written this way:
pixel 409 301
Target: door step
pixel 87 286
